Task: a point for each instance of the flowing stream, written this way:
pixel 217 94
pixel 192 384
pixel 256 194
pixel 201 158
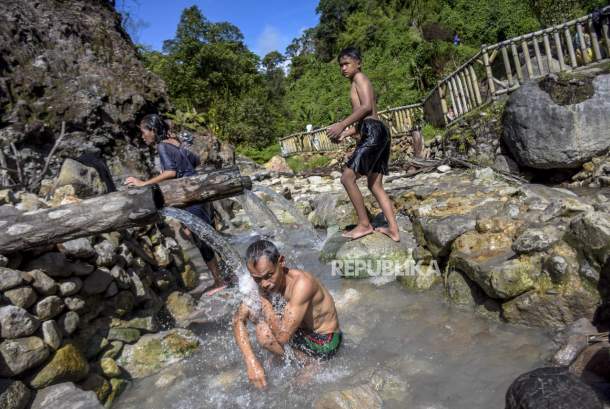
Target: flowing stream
pixel 417 350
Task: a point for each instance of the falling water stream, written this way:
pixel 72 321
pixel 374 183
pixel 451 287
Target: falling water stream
pixel 419 351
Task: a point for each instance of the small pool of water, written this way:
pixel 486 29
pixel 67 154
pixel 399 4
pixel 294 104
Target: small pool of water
pixel 430 354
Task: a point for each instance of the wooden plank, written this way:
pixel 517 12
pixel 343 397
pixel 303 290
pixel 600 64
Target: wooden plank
pixel 528 61
pixel 606 34
pixel 582 44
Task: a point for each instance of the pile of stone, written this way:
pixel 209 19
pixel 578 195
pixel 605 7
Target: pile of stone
pixel 93 311
pixel 524 253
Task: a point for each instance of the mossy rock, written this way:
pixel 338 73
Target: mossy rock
pixel 153 352
pixel 118 386
pixel 67 365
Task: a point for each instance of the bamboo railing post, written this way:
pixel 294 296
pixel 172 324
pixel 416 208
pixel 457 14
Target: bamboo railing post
pixel 606 33
pixel 461 96
pixel 516 60
pixel 507 68
pixel 489 74
pixel 528 61
pixel 462 82
pixel 442 94
pixel 475 83
pixel 582 45
pixel 538 56
pixel 570 47
pixel 594 41
pixel 560 57
pixel 547 51
pixel 473 98
pixel 457 106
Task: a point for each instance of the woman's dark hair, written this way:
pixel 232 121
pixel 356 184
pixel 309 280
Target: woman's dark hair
pixel 154 123
pixel 351 52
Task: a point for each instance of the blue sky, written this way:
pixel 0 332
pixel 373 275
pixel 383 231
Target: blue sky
pixel 267 25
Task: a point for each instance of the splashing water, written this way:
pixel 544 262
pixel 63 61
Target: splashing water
pixel 289 207
pixel 205 232
pixel 415 349
pixel 260 215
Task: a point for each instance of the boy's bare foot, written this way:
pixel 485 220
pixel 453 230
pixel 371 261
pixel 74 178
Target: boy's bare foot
pixel 358 232
pixel 393 234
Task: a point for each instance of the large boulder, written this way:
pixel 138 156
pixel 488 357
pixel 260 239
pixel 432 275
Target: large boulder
pixel 545 130
pixel 67 365
pixel 72 62
pixel 278 164
pixel 19 355
pixel 85 180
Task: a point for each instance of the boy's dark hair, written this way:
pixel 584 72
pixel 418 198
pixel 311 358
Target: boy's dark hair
pixel 261 248
pixel 153 122
pixel 351 52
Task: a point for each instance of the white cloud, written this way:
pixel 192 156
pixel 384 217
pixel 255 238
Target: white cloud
pixel 270 39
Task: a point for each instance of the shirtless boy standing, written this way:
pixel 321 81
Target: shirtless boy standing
pixel 372 153
pixel 308 323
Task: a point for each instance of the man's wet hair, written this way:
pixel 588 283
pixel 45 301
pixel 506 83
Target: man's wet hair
pixel 154 123
pixel 351 52
pixel 261 248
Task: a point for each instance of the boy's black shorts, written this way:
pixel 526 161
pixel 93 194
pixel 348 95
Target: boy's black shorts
pixel 372 152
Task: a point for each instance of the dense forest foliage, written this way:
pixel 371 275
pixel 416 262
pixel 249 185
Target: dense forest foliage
pixel 215 82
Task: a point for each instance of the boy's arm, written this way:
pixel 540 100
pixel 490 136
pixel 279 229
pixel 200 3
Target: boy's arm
pixel 366 97
pixel 165 175
pixel 255 370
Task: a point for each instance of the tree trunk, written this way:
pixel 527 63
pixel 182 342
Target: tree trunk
pixel 113 211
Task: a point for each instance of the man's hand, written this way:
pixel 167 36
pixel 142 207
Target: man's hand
pixel 131 181
pixel 256 375
pixel 335 130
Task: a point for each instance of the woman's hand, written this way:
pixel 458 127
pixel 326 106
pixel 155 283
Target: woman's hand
pixel 131 181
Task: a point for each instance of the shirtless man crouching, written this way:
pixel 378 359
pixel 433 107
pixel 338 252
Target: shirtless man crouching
pixel 308 322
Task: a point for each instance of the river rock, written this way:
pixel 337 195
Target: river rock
pixel 572 341
pixel 23 297
pixel 278 164
pixel 155 351
pixel 85 180
pixel 21 354
pixel 127 335
pixel 51 334
pixel 550 388
pixel 14 394
pixel 65 395
pixel 552 309
pixel 120 277
pixel 67 365
pixel 439 234
pixel 70 286
pixel 57 265
pixel 372 255
pixel 117 387
pixel 49 307
pixel 532 240
pixel 110 368
pixel 42 283
pixel 69 322
pixel 543 134
pixel 359 397
pixel 75 303
pixel 106 253
pixel 10 278
pixel 162 255
pixel 15 322
pixel 97 384
pixel 592 233
pixel 97 282
pixel 77 248
pixel 180 307
pixel 147 324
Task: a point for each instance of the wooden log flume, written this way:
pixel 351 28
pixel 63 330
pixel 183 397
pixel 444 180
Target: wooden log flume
pixel 113 211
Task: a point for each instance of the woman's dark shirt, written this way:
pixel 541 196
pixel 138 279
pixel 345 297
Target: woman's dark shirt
pixel 180 160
